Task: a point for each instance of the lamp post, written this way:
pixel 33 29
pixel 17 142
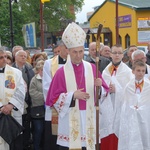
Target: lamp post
pixel 117 28
pixel 41 26
pixel 11 25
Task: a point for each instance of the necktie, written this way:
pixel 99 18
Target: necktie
pixel 139 85
pixel 113 68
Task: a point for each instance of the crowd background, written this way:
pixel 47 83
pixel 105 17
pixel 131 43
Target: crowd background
pixel 32 73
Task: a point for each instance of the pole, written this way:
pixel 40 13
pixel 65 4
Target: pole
pixel 97 88
pixel 42 29
pixel 117 28
pixel 11 25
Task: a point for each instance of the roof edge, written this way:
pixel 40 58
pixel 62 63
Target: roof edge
pixel 97 10
pixel 120 3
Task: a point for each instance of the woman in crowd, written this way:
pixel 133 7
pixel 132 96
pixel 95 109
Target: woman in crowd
pixel 37 110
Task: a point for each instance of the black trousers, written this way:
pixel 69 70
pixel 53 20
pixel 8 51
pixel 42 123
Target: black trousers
pixel 49 139
pixel 26 122
pixel 66 148
pixel 17 144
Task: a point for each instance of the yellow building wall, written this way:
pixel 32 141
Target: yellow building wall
pixel 106 15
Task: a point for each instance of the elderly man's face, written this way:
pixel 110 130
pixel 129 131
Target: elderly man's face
pixel 139 57
pixel 106 51
pixel 92 50
pixel 21 57
pixel 3 59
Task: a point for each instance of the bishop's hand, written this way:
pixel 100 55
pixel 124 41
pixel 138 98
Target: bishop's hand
pixel 79 94
pixel 98 82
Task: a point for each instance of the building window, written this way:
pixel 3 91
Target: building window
pixel 127 40
pixel 120 40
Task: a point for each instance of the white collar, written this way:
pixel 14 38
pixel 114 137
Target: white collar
pixel 38 76
pixel 136 81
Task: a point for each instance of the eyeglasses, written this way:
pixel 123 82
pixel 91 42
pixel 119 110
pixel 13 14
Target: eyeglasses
pixel 2 57
pixel 115 53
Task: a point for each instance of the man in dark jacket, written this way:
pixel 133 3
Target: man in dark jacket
pixel 103 62
pixel 27 73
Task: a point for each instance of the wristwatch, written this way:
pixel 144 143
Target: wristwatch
pixel 14 108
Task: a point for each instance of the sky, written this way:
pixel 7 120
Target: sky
pixel 87 7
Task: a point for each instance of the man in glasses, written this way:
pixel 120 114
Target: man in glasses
pixel 117 75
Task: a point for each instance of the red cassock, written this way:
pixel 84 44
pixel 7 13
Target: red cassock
pixel 109 143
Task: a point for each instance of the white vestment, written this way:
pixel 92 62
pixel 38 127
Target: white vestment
pixel 134 133
pixel 47 78
pixel 13 93
pixel 119 78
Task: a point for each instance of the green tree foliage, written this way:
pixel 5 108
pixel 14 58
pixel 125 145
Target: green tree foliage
pixel 56 14
pixel 18 21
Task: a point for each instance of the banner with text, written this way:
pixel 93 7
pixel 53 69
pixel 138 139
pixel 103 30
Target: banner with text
pixel 143 30
pixel 124 21
pixel 29 34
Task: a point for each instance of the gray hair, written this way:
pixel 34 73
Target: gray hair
pixel 137 52
pixel 2 49
pixel 105 46
pixel 20 52
pixel 101 46
pixel 17 46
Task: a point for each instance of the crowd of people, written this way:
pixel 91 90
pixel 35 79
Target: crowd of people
pixel 54 99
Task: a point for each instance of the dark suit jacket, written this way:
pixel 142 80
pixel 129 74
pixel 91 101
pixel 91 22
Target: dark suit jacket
pixel 103 62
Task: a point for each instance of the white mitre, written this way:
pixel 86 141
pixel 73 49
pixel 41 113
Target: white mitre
pixel 73 36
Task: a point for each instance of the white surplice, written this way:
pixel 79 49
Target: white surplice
pixel 119 78
pixel 47 78
pixel 134 133
pixel 14 95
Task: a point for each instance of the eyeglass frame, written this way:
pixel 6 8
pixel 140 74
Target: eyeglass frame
pixel 115 53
